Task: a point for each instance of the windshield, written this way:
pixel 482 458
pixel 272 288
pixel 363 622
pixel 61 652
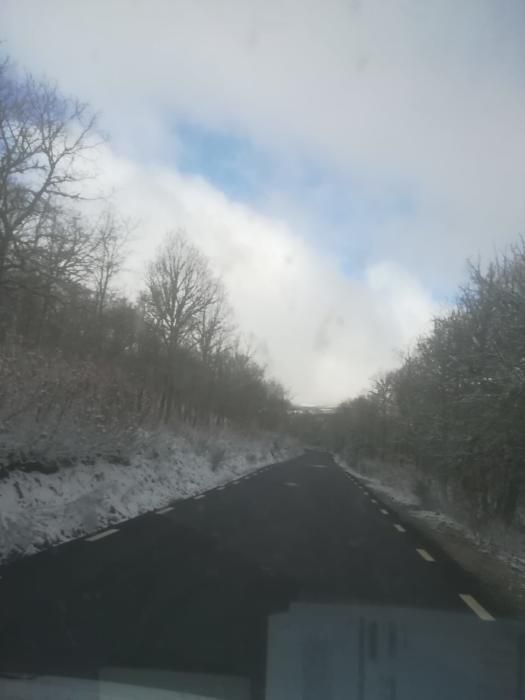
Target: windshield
pixel 262 366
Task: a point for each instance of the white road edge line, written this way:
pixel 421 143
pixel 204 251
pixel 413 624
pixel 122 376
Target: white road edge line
pixel 164 510
pixel 201 496
pixel 425 555
pixel 399 527
pixel 476 607
pixel 100 535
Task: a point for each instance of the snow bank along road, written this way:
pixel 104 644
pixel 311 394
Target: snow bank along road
pixel 191 587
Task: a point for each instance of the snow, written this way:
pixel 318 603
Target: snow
pixel 394 485
pixel 438 520
pixel 401 495
pixel 38 510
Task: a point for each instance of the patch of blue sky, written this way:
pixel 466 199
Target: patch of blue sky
pixel 330 207
pixel 235 165
pixel 229 162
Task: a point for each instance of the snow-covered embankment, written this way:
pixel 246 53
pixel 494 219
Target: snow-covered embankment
pixel 38 510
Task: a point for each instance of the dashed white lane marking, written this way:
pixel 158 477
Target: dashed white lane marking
pixel 374 501
pixel 476 607
pixel 385 512
pixel 318 466
pixel 290 483
pixel 164 510
pixel 425 555
pixel 100 535
pixel 399 527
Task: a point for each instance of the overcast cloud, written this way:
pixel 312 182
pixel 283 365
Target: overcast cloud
pixel 410 113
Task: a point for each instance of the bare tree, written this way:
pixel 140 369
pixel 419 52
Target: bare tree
pixel 214 328
pixel 60 258
pixel 44 140
pixel 179 290
pixel 67 253
pixel 110 240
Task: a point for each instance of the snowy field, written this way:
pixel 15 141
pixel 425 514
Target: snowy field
pixel 38 510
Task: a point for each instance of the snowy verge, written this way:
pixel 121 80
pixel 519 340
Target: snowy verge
pixel 38 510
pixel 493 552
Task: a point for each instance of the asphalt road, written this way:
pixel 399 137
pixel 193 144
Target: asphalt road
pixel 191 588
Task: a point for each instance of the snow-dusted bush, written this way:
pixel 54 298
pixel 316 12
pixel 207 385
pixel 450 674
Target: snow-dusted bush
pixel 54 413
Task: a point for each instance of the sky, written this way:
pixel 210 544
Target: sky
pixel 338 161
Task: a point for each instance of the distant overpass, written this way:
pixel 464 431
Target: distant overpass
pixel 312 410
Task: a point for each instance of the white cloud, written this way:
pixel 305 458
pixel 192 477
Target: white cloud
pixel 427 95
pixel 425 98
pixel 320 332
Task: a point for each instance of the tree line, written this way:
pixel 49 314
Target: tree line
pixel 454 409
pixel 171 353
